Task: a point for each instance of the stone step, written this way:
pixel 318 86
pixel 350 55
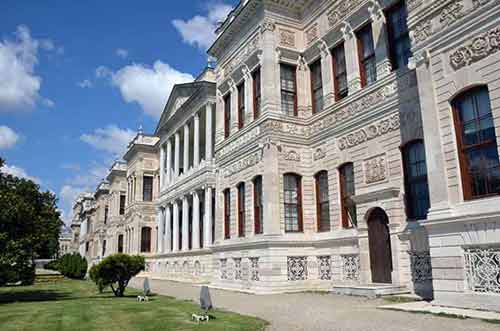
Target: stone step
pixel 370 290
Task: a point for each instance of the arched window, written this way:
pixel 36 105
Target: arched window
pixel 416 185
pixel 293 202
pixel 477 145
pixel 258 209
pixel 322 201
pixel 120 243
pixel 241 209
pixel 347 191
pixel 227 213
pixel 145 240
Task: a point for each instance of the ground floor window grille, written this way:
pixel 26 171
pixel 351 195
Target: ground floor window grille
pixel 297 267
pixel 350 267
pixel 421 269
pixel 237 269
pixel 325 267
pixel 223 268
pixel 254 268
pixel 482 269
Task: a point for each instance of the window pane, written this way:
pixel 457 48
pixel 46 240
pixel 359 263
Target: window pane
pixel 417 192
pixel 291 187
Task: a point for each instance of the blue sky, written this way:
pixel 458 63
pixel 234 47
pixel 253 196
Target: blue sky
pixel 78 78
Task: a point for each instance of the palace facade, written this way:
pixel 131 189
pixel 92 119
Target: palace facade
pixel 336 145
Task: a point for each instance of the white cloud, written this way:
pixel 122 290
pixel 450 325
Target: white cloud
pixel 19 85
pixel 85 83
pixel 71 166
pixel 123 53
pixel 67 196
pixel 103 72
pixel 8 138
pixel 48 103
pixel 110 139
pixel 199 30
pixel 148 86
pixel 18 172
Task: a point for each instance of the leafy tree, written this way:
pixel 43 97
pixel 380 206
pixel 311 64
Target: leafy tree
pixel 29 227
pixel 116 271
pixel 72 266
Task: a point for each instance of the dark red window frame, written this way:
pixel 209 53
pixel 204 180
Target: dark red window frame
pixel 227 213
pixel 241 209
pixel 241 105
pixel 366 55
pixel 345 196
pixel 338 54
pixel 257 205
pixel 398 37
pixel 122 204
pixel 285 89
pixel 257 96
pixel 316 85
pixel 289 204
pixel 145 239
pixel 322 201
pixel 227 115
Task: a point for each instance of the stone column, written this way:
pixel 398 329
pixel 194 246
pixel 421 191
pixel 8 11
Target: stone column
pixel 248 96
pixel 326 74
pixel 208 131
pixel 169 161
pixel 167 244
pixel 161 228
pixel 196 221
pixel 234 108
pixel 380 40
pixel 269 71
pixel 352 61
pixel 185 223
pixel 162 166
pixel 196 157
pixel 175 229
pixel 304 105
pixel 207 221
pixel 177 154
pixel 271 190
pixel 186 148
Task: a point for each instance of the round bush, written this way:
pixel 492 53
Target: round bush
pixel 72 266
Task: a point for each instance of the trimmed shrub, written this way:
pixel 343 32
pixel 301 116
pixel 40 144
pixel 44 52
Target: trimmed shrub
pixel 116 271
pixel 52 265
pixel 72 266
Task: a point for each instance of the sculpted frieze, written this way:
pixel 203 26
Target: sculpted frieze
pixel 319 154
pixel 246 51
pixel 243 164
pixel 477 49
pixel 238 143
pixel 312 34
pixel 292 155
pixel 338 13
pixel 370 132
pixel 287 38
pixel 422 31
pixel 451 13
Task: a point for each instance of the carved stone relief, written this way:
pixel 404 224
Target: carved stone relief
pixel 324 267
pixel 312 34
pixel 291 155
pixel 375 169
pixel 368 133
pixel 238 143
pixel 243 164
pixel 480 47
pixel 319 154
pixel 254 268
pixel 287 38
pixel 451 13
pixel 338 13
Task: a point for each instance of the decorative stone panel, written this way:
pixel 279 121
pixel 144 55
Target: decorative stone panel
pixel 312 34
pixel 292 155
pixel 350 267
pixel 254 268
pixel 287 38
pixel 237 269
pixel 375 169
pixel 324 267
pixel 477 49
pixel 319 154
pixel 372 131
pixel 297 268
pixel 339 13
pixel 243 164
pixel 421 269
pixel 223 269
pixel 482 269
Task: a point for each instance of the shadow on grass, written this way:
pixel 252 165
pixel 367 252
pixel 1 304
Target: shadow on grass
pixel 33 296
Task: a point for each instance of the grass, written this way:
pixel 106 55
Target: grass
pixel 76 305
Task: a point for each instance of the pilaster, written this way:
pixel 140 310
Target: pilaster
pixel 196 221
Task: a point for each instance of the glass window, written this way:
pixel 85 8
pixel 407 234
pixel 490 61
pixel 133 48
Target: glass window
pixel 347 191
pixel 106 211
pixel 120 243
pixel 256 93
pixel 288 89
pixel 340 72
pixel 366 52
pixel 241 105
pixel 146 240
pixel 122 204
pixel 241 209
pixel 147 187
pixel 293 203
pixel 477 143
pixel 258 207
pixel 317 87
pixel 399 37
pixel 417 189
pixel 322 202
pixel 227 115
pixel 227 214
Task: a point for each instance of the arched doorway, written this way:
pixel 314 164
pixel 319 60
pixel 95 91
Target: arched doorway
pixel 380 246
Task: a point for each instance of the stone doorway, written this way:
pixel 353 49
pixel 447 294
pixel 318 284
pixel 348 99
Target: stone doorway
pixel 380 246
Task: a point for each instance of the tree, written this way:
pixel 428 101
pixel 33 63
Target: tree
pixel 29 227
pixel 72 266
pixel 116 271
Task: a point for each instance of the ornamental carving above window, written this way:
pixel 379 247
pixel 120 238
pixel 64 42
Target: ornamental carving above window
pixel 479 48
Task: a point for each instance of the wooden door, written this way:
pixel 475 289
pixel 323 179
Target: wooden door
pixel 380 247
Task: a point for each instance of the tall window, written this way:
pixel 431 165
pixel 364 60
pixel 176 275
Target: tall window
pixel 258 210
pixel 366 53
pixel 288 89
pixel 241 105
pixel 122 204
pixel 120 243
pixel 147 188
pixel 322 202
pixel 340 72
pixel 477 144
pixel 316 87
pixel 399 36
pixel 146 240
pixel 103 248
pixel 106 211
pixel 293 203
pixel 256 93
pixel 347 191
pixel 227 115
pixel 227 214
pixel 416 186
pixel 241 209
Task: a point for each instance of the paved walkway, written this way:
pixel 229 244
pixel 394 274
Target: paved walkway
pixel 312 311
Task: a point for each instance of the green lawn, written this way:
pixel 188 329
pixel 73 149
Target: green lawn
pixel 76 305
